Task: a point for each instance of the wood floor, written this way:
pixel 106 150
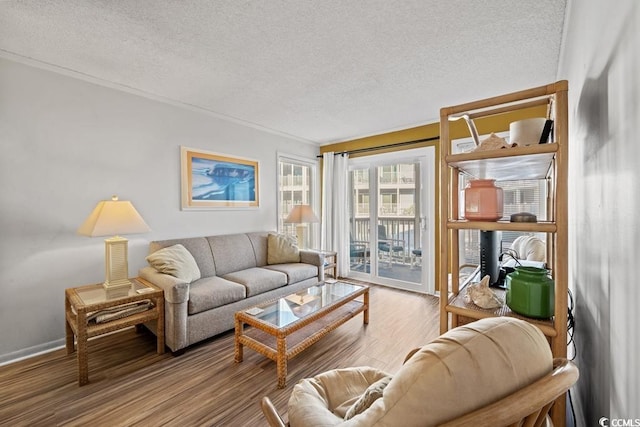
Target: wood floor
pixel 131 385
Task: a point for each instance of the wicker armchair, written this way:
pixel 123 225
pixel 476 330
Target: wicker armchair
pixel 428 395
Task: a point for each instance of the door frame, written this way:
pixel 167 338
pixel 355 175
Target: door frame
pixel 426 156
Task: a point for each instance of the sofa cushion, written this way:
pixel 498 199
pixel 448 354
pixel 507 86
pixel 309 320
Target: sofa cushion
pixel 212 292
pixel 197 246
pixel 259 243
pixel 281 249
pixel 176 261
pixel 258 280
pixel 295 272
pixel 232 252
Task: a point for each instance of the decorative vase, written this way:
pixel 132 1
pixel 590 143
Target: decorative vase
pixel 530 292
pixel 483 201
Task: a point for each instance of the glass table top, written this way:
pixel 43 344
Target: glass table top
pixel 293 307
pixel 96 294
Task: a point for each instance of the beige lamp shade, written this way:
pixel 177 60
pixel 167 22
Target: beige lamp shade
pixel 301 214
pixel 111 218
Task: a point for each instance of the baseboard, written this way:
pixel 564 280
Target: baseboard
pixel 26 353
pixel 36 350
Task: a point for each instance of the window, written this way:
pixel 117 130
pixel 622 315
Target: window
pixel 362 208
pixel 388 204
pixel 518 196
pixel 297 184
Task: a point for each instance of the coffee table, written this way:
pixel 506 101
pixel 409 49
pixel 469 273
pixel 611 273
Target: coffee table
pixel 283 328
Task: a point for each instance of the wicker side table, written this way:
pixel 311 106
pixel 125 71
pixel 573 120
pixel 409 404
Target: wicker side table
pixel 82 301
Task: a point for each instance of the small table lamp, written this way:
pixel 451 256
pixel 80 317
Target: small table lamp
pixel 113 217
pixel 301 214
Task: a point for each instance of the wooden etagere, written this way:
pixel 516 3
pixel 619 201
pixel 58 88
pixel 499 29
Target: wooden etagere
pixel 539 161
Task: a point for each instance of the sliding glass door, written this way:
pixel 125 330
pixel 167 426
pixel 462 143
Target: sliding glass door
pixel 391 240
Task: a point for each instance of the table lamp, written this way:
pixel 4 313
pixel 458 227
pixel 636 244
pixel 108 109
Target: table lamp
pixel 114 217
pixel 301 214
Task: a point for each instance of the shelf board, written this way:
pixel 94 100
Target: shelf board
pixel 508 164
pixel 458 306
pixel 534 227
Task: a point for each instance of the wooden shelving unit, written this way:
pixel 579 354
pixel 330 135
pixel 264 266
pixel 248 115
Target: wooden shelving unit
pixel 540 161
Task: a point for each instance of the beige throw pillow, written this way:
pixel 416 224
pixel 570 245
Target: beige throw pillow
pixel 281 249
pixel 373 392
pixel 177 261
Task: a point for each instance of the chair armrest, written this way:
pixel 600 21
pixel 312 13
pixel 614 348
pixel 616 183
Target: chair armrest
pixel 360 244
pixel 392 246
pixel 394 242
pixel 528 405
pixel 270 413
pixel 176 291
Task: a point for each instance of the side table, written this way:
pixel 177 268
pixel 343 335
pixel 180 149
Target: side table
pixel 330 263
pixel 81 303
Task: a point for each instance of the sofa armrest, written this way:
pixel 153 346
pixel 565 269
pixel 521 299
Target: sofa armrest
pixel 176 291
pixel 312 257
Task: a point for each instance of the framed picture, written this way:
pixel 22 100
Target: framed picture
pixel 218 181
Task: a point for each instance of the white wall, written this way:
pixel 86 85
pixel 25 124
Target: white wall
pixel 601 61
pixel 67 144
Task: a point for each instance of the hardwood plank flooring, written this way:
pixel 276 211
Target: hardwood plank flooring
pixel 131 385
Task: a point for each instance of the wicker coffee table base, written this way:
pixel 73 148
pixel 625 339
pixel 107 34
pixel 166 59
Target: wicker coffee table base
pixel 283 344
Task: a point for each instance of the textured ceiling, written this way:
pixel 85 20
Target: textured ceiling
pixel 320 71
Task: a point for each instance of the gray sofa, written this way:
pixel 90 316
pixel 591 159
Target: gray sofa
pixel 235 275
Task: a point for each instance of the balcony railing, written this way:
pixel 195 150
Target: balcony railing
pixel 396 178
pixel 405 230
pixel 294 181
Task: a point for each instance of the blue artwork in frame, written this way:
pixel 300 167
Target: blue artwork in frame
pixel 212 180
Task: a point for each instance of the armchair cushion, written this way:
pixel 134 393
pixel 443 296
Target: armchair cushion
pixel 462 370
pixel 324 399
pixel 176 261
pixel 281 250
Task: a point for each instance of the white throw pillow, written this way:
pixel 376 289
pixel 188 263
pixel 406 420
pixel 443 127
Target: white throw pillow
pixel 281 249
pixel 177 261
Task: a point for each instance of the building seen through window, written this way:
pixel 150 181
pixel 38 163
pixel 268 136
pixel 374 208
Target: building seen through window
pixel 296 180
